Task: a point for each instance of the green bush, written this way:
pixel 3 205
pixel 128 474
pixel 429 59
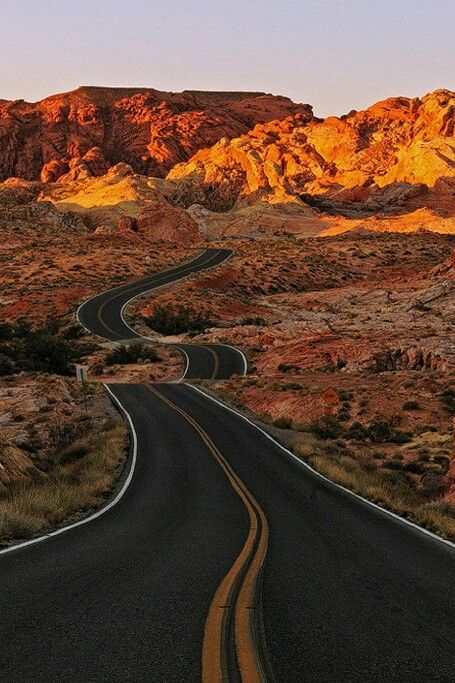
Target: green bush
pixel 171 319
pixel 131 353
pixel 25 348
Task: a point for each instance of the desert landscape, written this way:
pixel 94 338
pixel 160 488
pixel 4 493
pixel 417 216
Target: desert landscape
pixel 227 341
pixel 342 275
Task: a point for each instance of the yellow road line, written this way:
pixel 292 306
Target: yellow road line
pixel 138 287
pixel 214 649
pixel 216 359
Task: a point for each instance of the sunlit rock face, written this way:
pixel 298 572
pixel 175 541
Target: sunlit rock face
pixel 404 143
pixel 84 132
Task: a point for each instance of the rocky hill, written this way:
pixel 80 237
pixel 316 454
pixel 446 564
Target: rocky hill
pixel 84 132
pixel 387 155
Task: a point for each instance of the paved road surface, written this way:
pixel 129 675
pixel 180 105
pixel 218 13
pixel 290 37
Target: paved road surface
pixel 102 315
pixel 170 585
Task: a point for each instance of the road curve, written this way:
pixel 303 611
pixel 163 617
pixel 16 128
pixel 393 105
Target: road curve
pixel 103 316
pixel 225 559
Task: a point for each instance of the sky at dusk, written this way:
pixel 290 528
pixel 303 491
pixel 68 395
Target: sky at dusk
pixel 335 54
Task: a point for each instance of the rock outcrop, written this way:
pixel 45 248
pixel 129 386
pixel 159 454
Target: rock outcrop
pixel 388 155
pixel 86 131
pixel 162 221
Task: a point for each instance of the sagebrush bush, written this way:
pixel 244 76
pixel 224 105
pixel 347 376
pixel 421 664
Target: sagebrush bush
pixel 411 405
pixel 326 427
pixel 283 422
pixel 258 321
pixel 131 353
pixel 25 348
pixel 171 319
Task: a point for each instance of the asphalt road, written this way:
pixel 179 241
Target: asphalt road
pixel 102 315
pixel 226 555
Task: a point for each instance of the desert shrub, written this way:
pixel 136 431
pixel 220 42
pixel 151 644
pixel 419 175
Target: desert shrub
pixel 131 353
pixel 6 365
pixel 326 427
pixel 382 431
pixel 448 400
pixel 358 432
pixel 258 321
pixel 73 332
pixel 411 405
pixel 171 319
pixel 48 353
pixel 415 466
pixel 25 348
pixel 77 480
pixel 6 331
pixel 443 461
pixel 439 516
pixel 283 422
pixel 421 429
pixel 379 431
pixel 287 367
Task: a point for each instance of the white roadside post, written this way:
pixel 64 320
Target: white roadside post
pixel 81 374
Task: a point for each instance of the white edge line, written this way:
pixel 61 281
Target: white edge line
pixel 101 510
pixel 183 263
pixel 305 465
pixel 176 346
pixel 140 336
pixel 235 348
pixel 152 289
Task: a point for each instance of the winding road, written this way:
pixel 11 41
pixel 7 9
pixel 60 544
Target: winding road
pixel 222 556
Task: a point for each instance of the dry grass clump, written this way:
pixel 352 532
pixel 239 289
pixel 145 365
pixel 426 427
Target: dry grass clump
pixel 394 490
pixel 438 516
pixel 79 478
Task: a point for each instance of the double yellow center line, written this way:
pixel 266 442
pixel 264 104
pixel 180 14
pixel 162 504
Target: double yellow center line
pixel 138 286
pixel 236 604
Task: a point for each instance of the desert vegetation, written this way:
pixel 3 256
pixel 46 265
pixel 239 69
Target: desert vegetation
pixel 170 319
pixel 58 461
pixel 135 352
pixel 391 483
pixel 387 448
pixel 25 348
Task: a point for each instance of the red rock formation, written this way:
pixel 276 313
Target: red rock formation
pixel 90 129
pixel 389 154
pixel 126 225
pixel 160 220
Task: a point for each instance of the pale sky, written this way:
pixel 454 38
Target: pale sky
pixel 334 54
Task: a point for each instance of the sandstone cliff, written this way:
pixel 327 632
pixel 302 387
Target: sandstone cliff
pixel 84 132
pixel 388 155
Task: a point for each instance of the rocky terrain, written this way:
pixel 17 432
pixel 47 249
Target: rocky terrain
pixel 59 455
pixel 343 273
pixel 393 157
pixel 84 132
pixel 346 303
pixel 235 163
pixel 366 314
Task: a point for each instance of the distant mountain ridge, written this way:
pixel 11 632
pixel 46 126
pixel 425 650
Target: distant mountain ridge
pixel 93 128
pixel 394 150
